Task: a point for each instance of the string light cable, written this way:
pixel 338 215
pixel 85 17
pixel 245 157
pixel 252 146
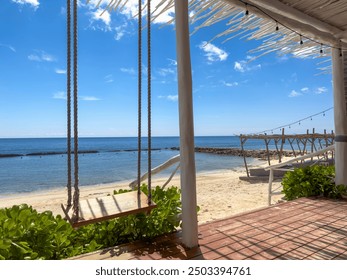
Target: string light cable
pixel 291 29
pixel 296 122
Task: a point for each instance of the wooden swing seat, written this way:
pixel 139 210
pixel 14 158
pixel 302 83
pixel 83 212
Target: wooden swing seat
pixel 100 209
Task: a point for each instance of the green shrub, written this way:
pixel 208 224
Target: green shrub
pixel 27 234
pixel 311 181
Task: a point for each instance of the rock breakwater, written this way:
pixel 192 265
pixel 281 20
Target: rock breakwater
pixel 260 154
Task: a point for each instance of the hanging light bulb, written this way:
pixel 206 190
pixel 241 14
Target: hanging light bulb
pixel 247 12
pixel 323 114
pixel 289 127
pixel 311 118
pixel 321 49
pixel 299 123
pixel 277 28
pixel 340 52
pixel 301 42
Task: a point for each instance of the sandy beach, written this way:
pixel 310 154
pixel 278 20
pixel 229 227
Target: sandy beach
pixel 219 194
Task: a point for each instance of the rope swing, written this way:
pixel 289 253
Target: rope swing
pixel 75 116
pixel 80 213
pixel 68 98
pixel 74 203
pixel 149 92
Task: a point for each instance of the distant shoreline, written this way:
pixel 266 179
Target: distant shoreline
pixel 260 154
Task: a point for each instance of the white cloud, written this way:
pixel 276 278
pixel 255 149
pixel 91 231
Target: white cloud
pixel 164 17
pixel 130 9
pixel 243 66
pixel 63 11
pixel 60 95
pixel 238 66
pixel 130 71
pixel 9 47
pixel 60 71
pixel 294 78
pixel 34 3
pixel 233 84
pixel 213 53
pixel 282 58
pixel 305 89
pixel 121 30
pixel 98 3
pixel 34 57
pixel 89 98
pixel 172 62
pixel 169 97
pixel 294 93
pixel 100 17
pixel 41 56
pixel 47 57
pixel 321 90
pixel 101 10
pixel 119 33
pixel 166 71
pixel 104 16
pixel 172 97
pixel 108 78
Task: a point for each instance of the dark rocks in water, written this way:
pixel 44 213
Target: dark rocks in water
pixel 261 154
pixel 88 152
pixel 10 155
pixel 61 153
pixel 45 154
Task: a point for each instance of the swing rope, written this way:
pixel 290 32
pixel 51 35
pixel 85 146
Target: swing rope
pixel 68 97
pixel 139 133
pixel 75 92
pixel 149 86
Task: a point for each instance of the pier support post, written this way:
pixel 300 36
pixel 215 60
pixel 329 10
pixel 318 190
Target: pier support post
pixel 340 116
pixel 186 122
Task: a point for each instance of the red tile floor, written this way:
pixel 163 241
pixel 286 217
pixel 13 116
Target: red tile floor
pixel 306 228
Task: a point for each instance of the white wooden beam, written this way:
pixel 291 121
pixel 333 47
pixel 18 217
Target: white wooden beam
pixel 187 151
pixel 296 20
pixel 342 35
pixel 279 8
pixel 156 170
pixel 310 155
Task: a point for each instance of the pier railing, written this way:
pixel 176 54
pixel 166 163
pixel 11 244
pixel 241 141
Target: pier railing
pixel 320 155
pixel 300 144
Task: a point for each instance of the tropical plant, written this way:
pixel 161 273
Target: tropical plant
pixel 311 181
pixel 27 234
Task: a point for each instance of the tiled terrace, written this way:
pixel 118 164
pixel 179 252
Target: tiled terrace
pixel 307 228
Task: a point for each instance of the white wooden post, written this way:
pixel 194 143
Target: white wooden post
pixel 186 122
pixel 340 118
pixel 271 178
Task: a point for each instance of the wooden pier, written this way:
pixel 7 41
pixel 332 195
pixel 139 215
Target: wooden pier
pixel 300 144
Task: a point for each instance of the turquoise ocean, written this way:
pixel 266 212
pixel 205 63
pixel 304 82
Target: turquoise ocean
pixel 32 164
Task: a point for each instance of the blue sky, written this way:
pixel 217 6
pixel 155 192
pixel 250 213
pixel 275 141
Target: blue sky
pixel 230 95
